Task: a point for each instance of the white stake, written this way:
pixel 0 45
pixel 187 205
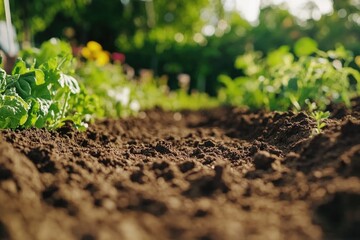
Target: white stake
pixel 9 27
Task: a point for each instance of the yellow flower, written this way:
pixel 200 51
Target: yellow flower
pixel 86 53
pixel 94 51
pixel 94 46
pixel 102 58
pixel 357 60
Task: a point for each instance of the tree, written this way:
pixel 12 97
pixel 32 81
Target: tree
pixel 341 26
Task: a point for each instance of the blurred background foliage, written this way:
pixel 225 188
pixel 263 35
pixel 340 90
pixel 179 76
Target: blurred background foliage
pixel 200 38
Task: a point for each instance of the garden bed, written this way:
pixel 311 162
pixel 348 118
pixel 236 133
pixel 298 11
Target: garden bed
pixel 214 174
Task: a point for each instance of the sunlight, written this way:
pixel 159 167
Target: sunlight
pixel 250 9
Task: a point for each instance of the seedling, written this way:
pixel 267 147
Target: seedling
pixel 319 117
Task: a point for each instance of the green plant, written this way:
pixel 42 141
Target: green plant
pixel 319 117
pixel 116 92
pixel 283 81
pixel 42 97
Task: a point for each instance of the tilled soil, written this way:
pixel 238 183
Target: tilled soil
pixel 217 174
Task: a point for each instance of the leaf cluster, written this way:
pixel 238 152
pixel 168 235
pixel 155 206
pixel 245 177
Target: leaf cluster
pixel 42 97
pixel 319 117
pixel 283 80
pixel 122 95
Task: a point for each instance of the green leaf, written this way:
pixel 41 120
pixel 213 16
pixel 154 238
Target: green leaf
pixel 305 46
pixel 38 113
pixel 23 88
pixel 42 91
pixel 293 84
pixel 51 72
pixel 326 114
pixel 13 111
pixel 39 77
pixel 2 80
pixel 20 67
pixel 226 80
pixel 279 56
pixel 52 49
pixel 34 77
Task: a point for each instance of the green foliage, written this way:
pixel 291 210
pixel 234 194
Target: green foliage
pixel 159 35
pixel 110 92
pixel 13 110
pixel 152 92
pixel 305 46
pixel 319 117
pixel 40 97
pixel 115 93
pixel 34 16
pixel 341 26
pixel 120 95
pixel 282 81
pixel 52 49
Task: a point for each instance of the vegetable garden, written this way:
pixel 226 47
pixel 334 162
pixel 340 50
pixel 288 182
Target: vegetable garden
pixel 91 147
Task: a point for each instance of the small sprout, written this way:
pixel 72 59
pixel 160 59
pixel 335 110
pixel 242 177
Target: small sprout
pixel 319 117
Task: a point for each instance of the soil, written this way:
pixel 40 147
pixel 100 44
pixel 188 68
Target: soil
pixel 225 173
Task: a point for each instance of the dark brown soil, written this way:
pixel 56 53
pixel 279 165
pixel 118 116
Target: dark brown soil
pixel 216 174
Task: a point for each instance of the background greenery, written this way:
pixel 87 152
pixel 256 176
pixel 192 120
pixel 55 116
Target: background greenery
pixel 116 58
pixel 165 36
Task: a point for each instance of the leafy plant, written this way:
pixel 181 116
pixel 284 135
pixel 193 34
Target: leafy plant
pixel 121 95
pixel 41 97
pixel 110 91
pixel 319 117
pixel 116 93
pixel 283 81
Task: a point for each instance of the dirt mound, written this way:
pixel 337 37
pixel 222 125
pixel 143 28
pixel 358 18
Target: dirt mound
pixel 215 174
